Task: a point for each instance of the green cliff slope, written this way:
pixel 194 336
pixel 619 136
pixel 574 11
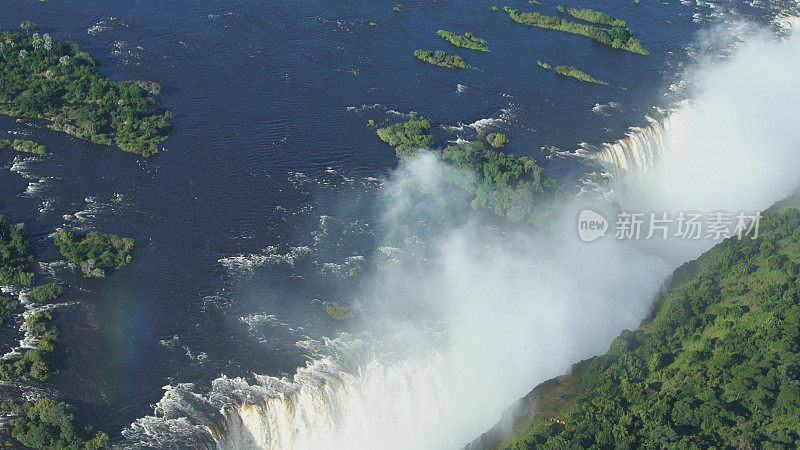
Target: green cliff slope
pixel 717 364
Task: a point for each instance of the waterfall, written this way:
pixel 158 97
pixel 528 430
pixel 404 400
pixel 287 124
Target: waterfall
pixel 642 147
pixel 324 406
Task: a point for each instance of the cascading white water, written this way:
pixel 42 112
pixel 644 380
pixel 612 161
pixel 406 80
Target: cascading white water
pixel 642 146
pixel 326 406
pixel 499 311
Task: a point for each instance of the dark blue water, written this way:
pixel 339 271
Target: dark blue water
pixel 271 148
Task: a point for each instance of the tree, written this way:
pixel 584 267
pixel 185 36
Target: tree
pixel 47 42
pixel 621 33
pixel 27 26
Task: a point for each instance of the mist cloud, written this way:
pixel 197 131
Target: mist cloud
pixel 468 316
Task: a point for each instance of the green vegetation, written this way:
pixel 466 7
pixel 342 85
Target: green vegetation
pixel 577 74
pixel 715 366
pixel 47 424
pixel 29 147
pixel 15 257
pixel 510 186
pixel 590 15
pixel 8 306
pixel 616 37
pixel 47 292
pixel 36 363
pixel 15 254
pixel 43 424
pixel 26 26
pixel 543 65
pixel 337 311
pixel 407 137
pixel 497 140
pixel 440 58
pixel 46 79
pixel 495 8
pixel 96 253
pixel 468 40
pixel 560 9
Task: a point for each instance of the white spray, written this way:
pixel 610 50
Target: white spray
pixel 468 317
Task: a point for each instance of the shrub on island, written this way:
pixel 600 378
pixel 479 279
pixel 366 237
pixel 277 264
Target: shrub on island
pixel 47 424
pixel 497 140
pixel 577 74
pixel 96 253
pixel 8 306
pixel 468 40
pixel 510 186
pixel 616 37
pixel 46 292
pixel 29 147
pixel 35 363
pixel 601 18
pixel 15 254
pixel 441 59
pixel 46 79
pixel 407 137
pixel 338 311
